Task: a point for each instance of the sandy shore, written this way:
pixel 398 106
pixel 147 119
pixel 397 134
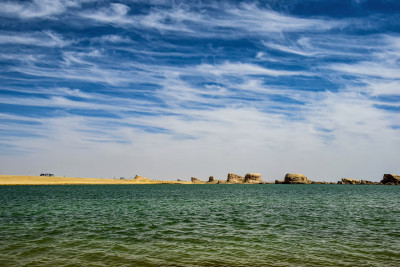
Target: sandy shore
pixel 42 180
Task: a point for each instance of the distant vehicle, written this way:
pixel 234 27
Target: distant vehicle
pixel 47 174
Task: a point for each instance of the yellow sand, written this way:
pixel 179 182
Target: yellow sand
pixel 43 180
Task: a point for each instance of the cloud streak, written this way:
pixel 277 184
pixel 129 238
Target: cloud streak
pixel 45 39
pixel 246 18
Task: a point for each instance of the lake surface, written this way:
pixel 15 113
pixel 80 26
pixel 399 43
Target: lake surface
pixel 200 225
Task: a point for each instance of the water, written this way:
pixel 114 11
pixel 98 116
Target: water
pixel 200 225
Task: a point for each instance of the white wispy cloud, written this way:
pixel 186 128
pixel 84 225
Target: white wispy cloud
pixel 45 38
pixel 36 8
pixel 372 69
pixel 378 87
pixel 291 49
pixel 378 71
pixel 113 38
pixel 115 13
pixel 229 68
pixel 245 19
pixel 88 74
pixel 100 102
pixel 255 19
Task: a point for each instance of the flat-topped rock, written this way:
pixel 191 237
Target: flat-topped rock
pixel 279 181
pixel 253 178
pixel 296 178
pixel 391 179
pixel 234 178
pixel 350 181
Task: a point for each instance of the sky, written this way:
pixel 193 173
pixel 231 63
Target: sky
pixel 179 89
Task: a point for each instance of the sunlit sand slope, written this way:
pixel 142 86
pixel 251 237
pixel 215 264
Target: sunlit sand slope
pixel 42 180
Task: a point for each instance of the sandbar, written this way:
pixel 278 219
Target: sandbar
pixel 43 180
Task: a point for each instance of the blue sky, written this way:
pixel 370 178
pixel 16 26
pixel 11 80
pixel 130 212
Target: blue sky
pixel 174 89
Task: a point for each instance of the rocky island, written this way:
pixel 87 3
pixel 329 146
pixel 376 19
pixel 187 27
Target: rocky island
pixel 294 178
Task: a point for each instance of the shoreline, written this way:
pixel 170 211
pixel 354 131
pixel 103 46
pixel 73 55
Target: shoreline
pixel 55 180
pixel 139 180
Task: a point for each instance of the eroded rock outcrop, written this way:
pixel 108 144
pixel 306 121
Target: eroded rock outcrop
pixel 212 180
pixel 279 181
pixel 196 180
pixel 365 182
pixel 234 178
pixel 391 179
pixel 253 178
pixel 350 181
pixel 296 178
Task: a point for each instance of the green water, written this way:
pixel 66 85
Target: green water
pixel 200 225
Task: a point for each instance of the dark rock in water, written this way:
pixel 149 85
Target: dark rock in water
pixel 196 180
pixel 350 181
pixel 295 178
pixel 279 181
pixel 253 178
pixel 179 180
pixel 234 178
pixel 211 179
pixel 391 179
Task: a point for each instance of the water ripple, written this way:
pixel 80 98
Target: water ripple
pixel 199 225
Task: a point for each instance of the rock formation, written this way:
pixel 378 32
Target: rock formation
pixel 279 181
pixel 234 178
pixel 367 182
pixel 391 179
pixel 196 180
pixel 253 178
pixel 211 180
pixel 350 181
pixel 295 178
